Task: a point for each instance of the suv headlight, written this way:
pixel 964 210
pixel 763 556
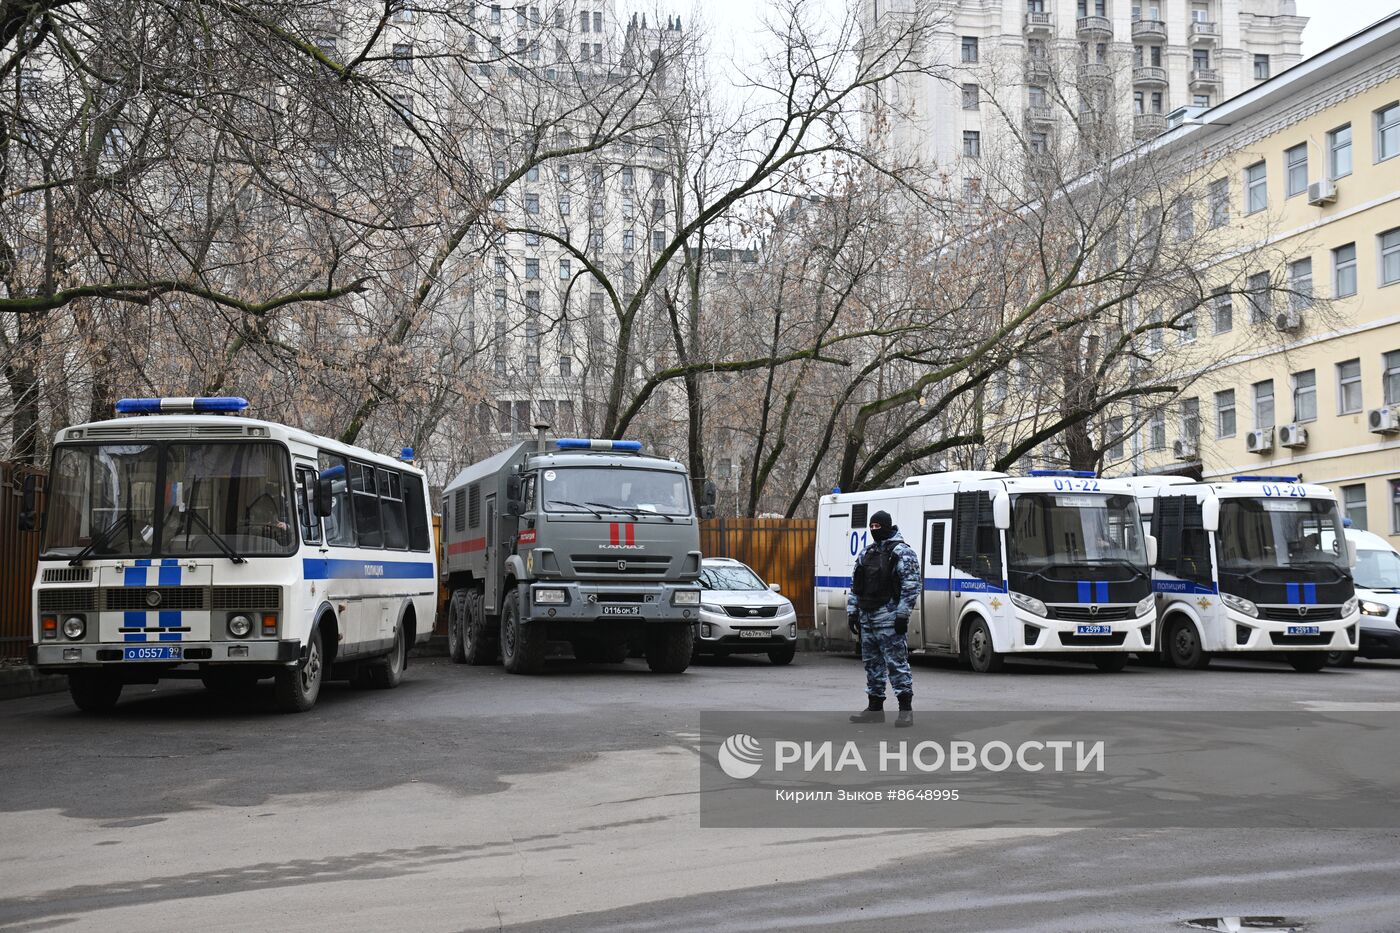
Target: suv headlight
pixel 549 596
pixel 685 598
pixel 710 607
pixel 1030 604
pixel 1373 609
pixel 1349 606
pixel 1240 605
pixel 1145 605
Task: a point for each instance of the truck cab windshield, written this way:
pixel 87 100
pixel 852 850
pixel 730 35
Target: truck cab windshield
pixel 171 499
pixel 1057 529
pixel 622 489
pixel 1280 532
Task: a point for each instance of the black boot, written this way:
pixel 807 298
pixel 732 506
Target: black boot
pixel 874 711
pixel 906 710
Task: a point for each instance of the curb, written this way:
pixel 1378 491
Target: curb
pixel 21 680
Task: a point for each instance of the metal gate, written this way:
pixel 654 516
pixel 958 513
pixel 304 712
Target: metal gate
pixel 780 550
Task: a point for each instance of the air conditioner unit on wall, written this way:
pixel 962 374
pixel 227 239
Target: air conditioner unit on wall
pixel 1384 420
pixel 1183 449
pixel 1259 442
pixel 1288 321
pixel 1293 435
pixel 1322 193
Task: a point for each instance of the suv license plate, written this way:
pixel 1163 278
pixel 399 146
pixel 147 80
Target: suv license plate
pixel 1304 630
pixel 753 633
pixel 621 610
pixel 1093 630
pixel 152 653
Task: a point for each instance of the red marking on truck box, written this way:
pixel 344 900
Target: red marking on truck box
pixel 467 547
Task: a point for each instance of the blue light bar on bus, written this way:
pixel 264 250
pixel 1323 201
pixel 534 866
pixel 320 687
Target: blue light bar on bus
pixel 406 454
pixel 585 443
pixel 1266 479
pixel 166 406
pixel 1078 474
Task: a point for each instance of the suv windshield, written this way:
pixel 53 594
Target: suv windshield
pixel 1057 528
pixel 173 499
pixel 626 489
pixel 1279 532
pixel 730 577
pixel 1377 570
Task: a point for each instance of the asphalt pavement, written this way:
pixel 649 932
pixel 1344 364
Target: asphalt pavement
pixel 472 799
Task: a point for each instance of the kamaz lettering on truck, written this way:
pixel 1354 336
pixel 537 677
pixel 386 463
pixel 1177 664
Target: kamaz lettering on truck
pixel 590 543
pixel 1053 563
pixel 1256 565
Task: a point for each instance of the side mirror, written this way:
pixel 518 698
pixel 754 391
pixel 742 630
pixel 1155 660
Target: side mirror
pixel 775 588
pixel 1351 554
pixel 709 494
pixel 1151 543
pixel 515 493
pixel 1001 510
pixel 27 519
pixel 1210 514
pixel 324 502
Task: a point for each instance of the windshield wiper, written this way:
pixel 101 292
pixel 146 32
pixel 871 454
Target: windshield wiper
pixel 635 513
pixel 577 505
pixel 219 542
pixel 101 541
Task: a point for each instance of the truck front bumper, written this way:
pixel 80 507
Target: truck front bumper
pixel 610 602
pixel 58 657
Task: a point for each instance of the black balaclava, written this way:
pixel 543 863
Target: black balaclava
pixel 887 526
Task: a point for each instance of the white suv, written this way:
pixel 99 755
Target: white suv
pixel 1377 576
pixel 740 614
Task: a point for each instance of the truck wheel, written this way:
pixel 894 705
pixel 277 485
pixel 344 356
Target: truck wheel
pixel 669 647
pixel 94 691
pixel 522 646
pixel 781 656
pixel 298 686
pixel 1308 662
pixel 982 657
pixel 1111 663
pixel 1183 647
pixel 386 673
pixel 456 621
pixel 478 647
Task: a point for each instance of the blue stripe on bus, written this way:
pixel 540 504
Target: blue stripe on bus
pixel 1310 593
pixel 168 576
pixel 171 636
pixel 839 583
pixel 1084 594
pixel 143 563
pixel 1101 591
pixel 135 576
pixel 170 618
pixel 931 585
pixel 133 618
pixel 323 568
pixel 134 637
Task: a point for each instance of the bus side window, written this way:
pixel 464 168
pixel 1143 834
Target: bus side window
pixel 365 493
pixel 419 524
pixel 391 510
pixel 340 530
pixel 306 498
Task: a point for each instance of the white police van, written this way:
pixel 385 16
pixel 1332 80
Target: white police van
pixel 1056 562
pixel 181 542
pixel 1257 565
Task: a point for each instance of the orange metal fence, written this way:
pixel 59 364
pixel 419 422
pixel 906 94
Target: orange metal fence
pixel 19 556
pixel 780 550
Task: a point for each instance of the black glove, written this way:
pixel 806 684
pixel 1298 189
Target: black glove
pixel 853 622
pixel 901 625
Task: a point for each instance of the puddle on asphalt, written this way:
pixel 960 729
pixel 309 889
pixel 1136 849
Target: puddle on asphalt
pixel 1247 924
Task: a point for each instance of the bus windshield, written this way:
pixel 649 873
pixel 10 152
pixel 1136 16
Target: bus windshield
pixel 170 499
pixel 614 489
pixel 1057 529
pixel 1280 532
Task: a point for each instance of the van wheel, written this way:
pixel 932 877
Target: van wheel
pixel 669 648
pixel 387 672
pixel 94 691
pixel 1183 647
pixel 1111 663
pixel 478 647
pixel 1308 662
pixel 982 657
pixel 522 646
pixel 298 686
pixel 456 626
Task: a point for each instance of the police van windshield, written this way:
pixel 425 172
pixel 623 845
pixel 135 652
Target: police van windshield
pixel 170 499
pixel 1279 532
pixel 1377 570
pixel 604 489
pixel 1057 528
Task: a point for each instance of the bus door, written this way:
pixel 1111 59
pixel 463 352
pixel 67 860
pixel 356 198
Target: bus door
pixel 935 611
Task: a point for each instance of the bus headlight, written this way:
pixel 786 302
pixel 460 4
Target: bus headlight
pixel 1372 609
pixel 239 626
pixel 74 627
pixel 685 598
pixel 549 596
pixel 1145 605
pixel 1030 604
pixel 1239 604
pixel 1349 607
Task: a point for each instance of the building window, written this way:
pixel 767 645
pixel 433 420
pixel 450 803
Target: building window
pixel 1200 60
pixel 1219 194
pixel 565 205
pixel 629 177
pixel 1256 191
pixel 1395 506
pixel 1390 378
pixel 1157 430
pixel 1224 312
pixel 566 366
pixel 1113 436
pixel 1264 404
pixel 1200 100
pixel 658 240
pixel 1138 102
pixel 583 21
pixel 1349 387
pixel 532 203
pixel 1188 326
pixel 1390 257
pixel 1387 132
pixel 970 98
pixel 1259 300
pixel 1354 505
pixel 1040 143
pixel 532 238
pixel 595 238
pixel 972 144
pixel 597 21
pixel 1296 173
pixel 500 267
pixel 1305 395
pixel 532 268
pixel 1300 284
pixel 969 49
pixel 1191 420
pixel 403 57
pixel 1261 67
pixel 629 241
pixel 1156 101
pixel 1344 271
pixel 1339 152
pixel 565 269
pixel 1225 413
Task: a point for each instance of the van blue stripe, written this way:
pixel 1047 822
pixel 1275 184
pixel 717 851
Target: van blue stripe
pixel 137 636
pixel 143 563
pixel 1292 593
pixel 135 576
pixel 322 568
pixel 170 636
pixel 170 618
pixel 169 576
pixel 1310 593
pixel 931 585
pixel 1101 591
pixel 838 583
pixel 1084 595
pixel 133 618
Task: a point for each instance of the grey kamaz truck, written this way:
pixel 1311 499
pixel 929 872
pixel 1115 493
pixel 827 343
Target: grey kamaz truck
pixel 588 542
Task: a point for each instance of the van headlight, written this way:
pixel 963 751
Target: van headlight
pixel 1240 605
pixel 1372 609
pixel 74 627
pixel 685 598
pixel 1030 604
pixel 1145 605
pixel 1349 606
pixel 549 596
pixel 239 626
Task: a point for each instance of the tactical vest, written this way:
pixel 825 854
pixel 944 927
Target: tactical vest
pixel 876 579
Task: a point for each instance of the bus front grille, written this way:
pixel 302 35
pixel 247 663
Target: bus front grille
pixel 68 600
pixel 136 598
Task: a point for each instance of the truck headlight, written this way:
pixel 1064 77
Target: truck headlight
pixel 1145 605
pixel 1372 609
pixel 74 627
pixel 239 626
pixel 549 596
pixel 1239 604
pixel 685 598
pixel 1349 606
pixel 1030 604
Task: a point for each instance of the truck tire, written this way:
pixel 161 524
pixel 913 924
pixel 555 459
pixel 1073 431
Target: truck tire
pixel 1183 646
pixel 298 686
pixel 478 647
pixel 522 646
pixel 456 621
pixel 669 648
pixel 94 691
pixel 1308 662
pixel 386 673
pixel 982 655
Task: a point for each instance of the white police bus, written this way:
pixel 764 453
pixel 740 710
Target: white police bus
pixel 1257 565
pixel 181 542
pixel 1053 563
